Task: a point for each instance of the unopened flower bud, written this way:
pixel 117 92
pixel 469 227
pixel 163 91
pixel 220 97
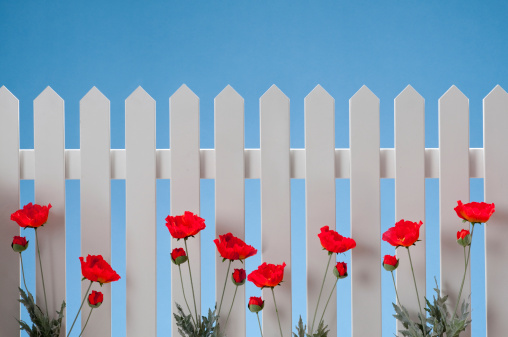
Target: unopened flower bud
pixel 95 299
pixel 178 256
pixel 340 270
pixel 19 244
pixel 239 277
pixel 256 304
pixel 464 238
pixel 390 263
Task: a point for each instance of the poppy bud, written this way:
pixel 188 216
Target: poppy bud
pixel 256 304
pixel 390 263
pixel 464 238
pixel 19 244
pixel 340 270
pixel 239 277
pixel 178 256
pixel 95 299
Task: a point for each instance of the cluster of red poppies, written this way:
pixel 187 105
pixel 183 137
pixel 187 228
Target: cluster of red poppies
pixel 232 248
pixel 406 234
pixel 94 268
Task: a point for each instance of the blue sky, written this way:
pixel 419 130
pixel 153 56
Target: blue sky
pixel 117 46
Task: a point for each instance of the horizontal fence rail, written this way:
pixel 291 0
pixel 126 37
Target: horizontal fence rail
pixel 252 159
pixel 275 163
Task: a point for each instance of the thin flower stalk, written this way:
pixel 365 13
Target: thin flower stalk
pixel 465 271
pixel 277 311
pixel 328 301
pixel 42 273
pixel 229 313
pixel 82 302
pixel 320 292
pixel 259 322
pixel 417 296
pixel 23 271
pixel 192 284
pixel 185 297
pixel 224 289
pixel 86 323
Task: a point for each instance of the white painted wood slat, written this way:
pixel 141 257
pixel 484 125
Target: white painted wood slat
pixel 495 142
pixel 410 191
pixel 453 186
pixel 320 200
pixel 141 241
pixel 49 185
pixel 365 213
pixel 9 203
pixel 230 199
pixel 185 189
pixel 276 204
pixel 96 199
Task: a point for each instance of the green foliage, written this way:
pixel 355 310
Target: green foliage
pixel 439 322
pixel 207 327
pixel 300 330
pixel 42 325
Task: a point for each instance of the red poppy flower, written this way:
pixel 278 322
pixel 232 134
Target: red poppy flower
pixel 96 269
pixel 256 304
pixel 239 276
pixel 333 242
pixel 340 270
pixel 390 263
pixel 31 215
pixel 475 212
pixel 404 233
pixel 232 248
pixel 267 275
pixel 19 244
pixel 95 299
pixel 183 226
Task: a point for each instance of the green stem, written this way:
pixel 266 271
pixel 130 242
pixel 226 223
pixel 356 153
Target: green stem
pixel 277 311
pixel 90 314
pixel 184 297
pixel 396 293
pixel 417 296
pixel 229 313
pixel 42 273
pixel 465 271
pixel 83 302
pixel 224 289
pixel 260 330
pixel 192 284
pixel 329 297
pixel 23 271
pixel 319 298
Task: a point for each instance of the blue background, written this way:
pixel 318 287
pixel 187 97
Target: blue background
pixel 117 46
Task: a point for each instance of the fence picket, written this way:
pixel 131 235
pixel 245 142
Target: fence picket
pixel 320 198
pixel 410 191
pixel 276 204
pixel 96 198
pixel 453 186
pixel 185 188
pixel 9 202
pixel 365 225
pixel 141 242
pixel 49 185
pixel 495 141
pixel 229 198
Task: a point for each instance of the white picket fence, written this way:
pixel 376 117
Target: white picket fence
pixel 275 163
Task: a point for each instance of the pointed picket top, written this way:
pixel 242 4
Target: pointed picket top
pixel 409 94
pixel 453 93
pixel 94 95
pixel 228 94
pixel 139 95
pixel 364 94
pixel 48 96
pixel 5 94
pixel 184 92
pixel 273 93
pixel 498 94
pixel 318 93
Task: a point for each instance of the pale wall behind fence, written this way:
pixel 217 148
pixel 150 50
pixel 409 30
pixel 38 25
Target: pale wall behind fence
pixel 320 163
